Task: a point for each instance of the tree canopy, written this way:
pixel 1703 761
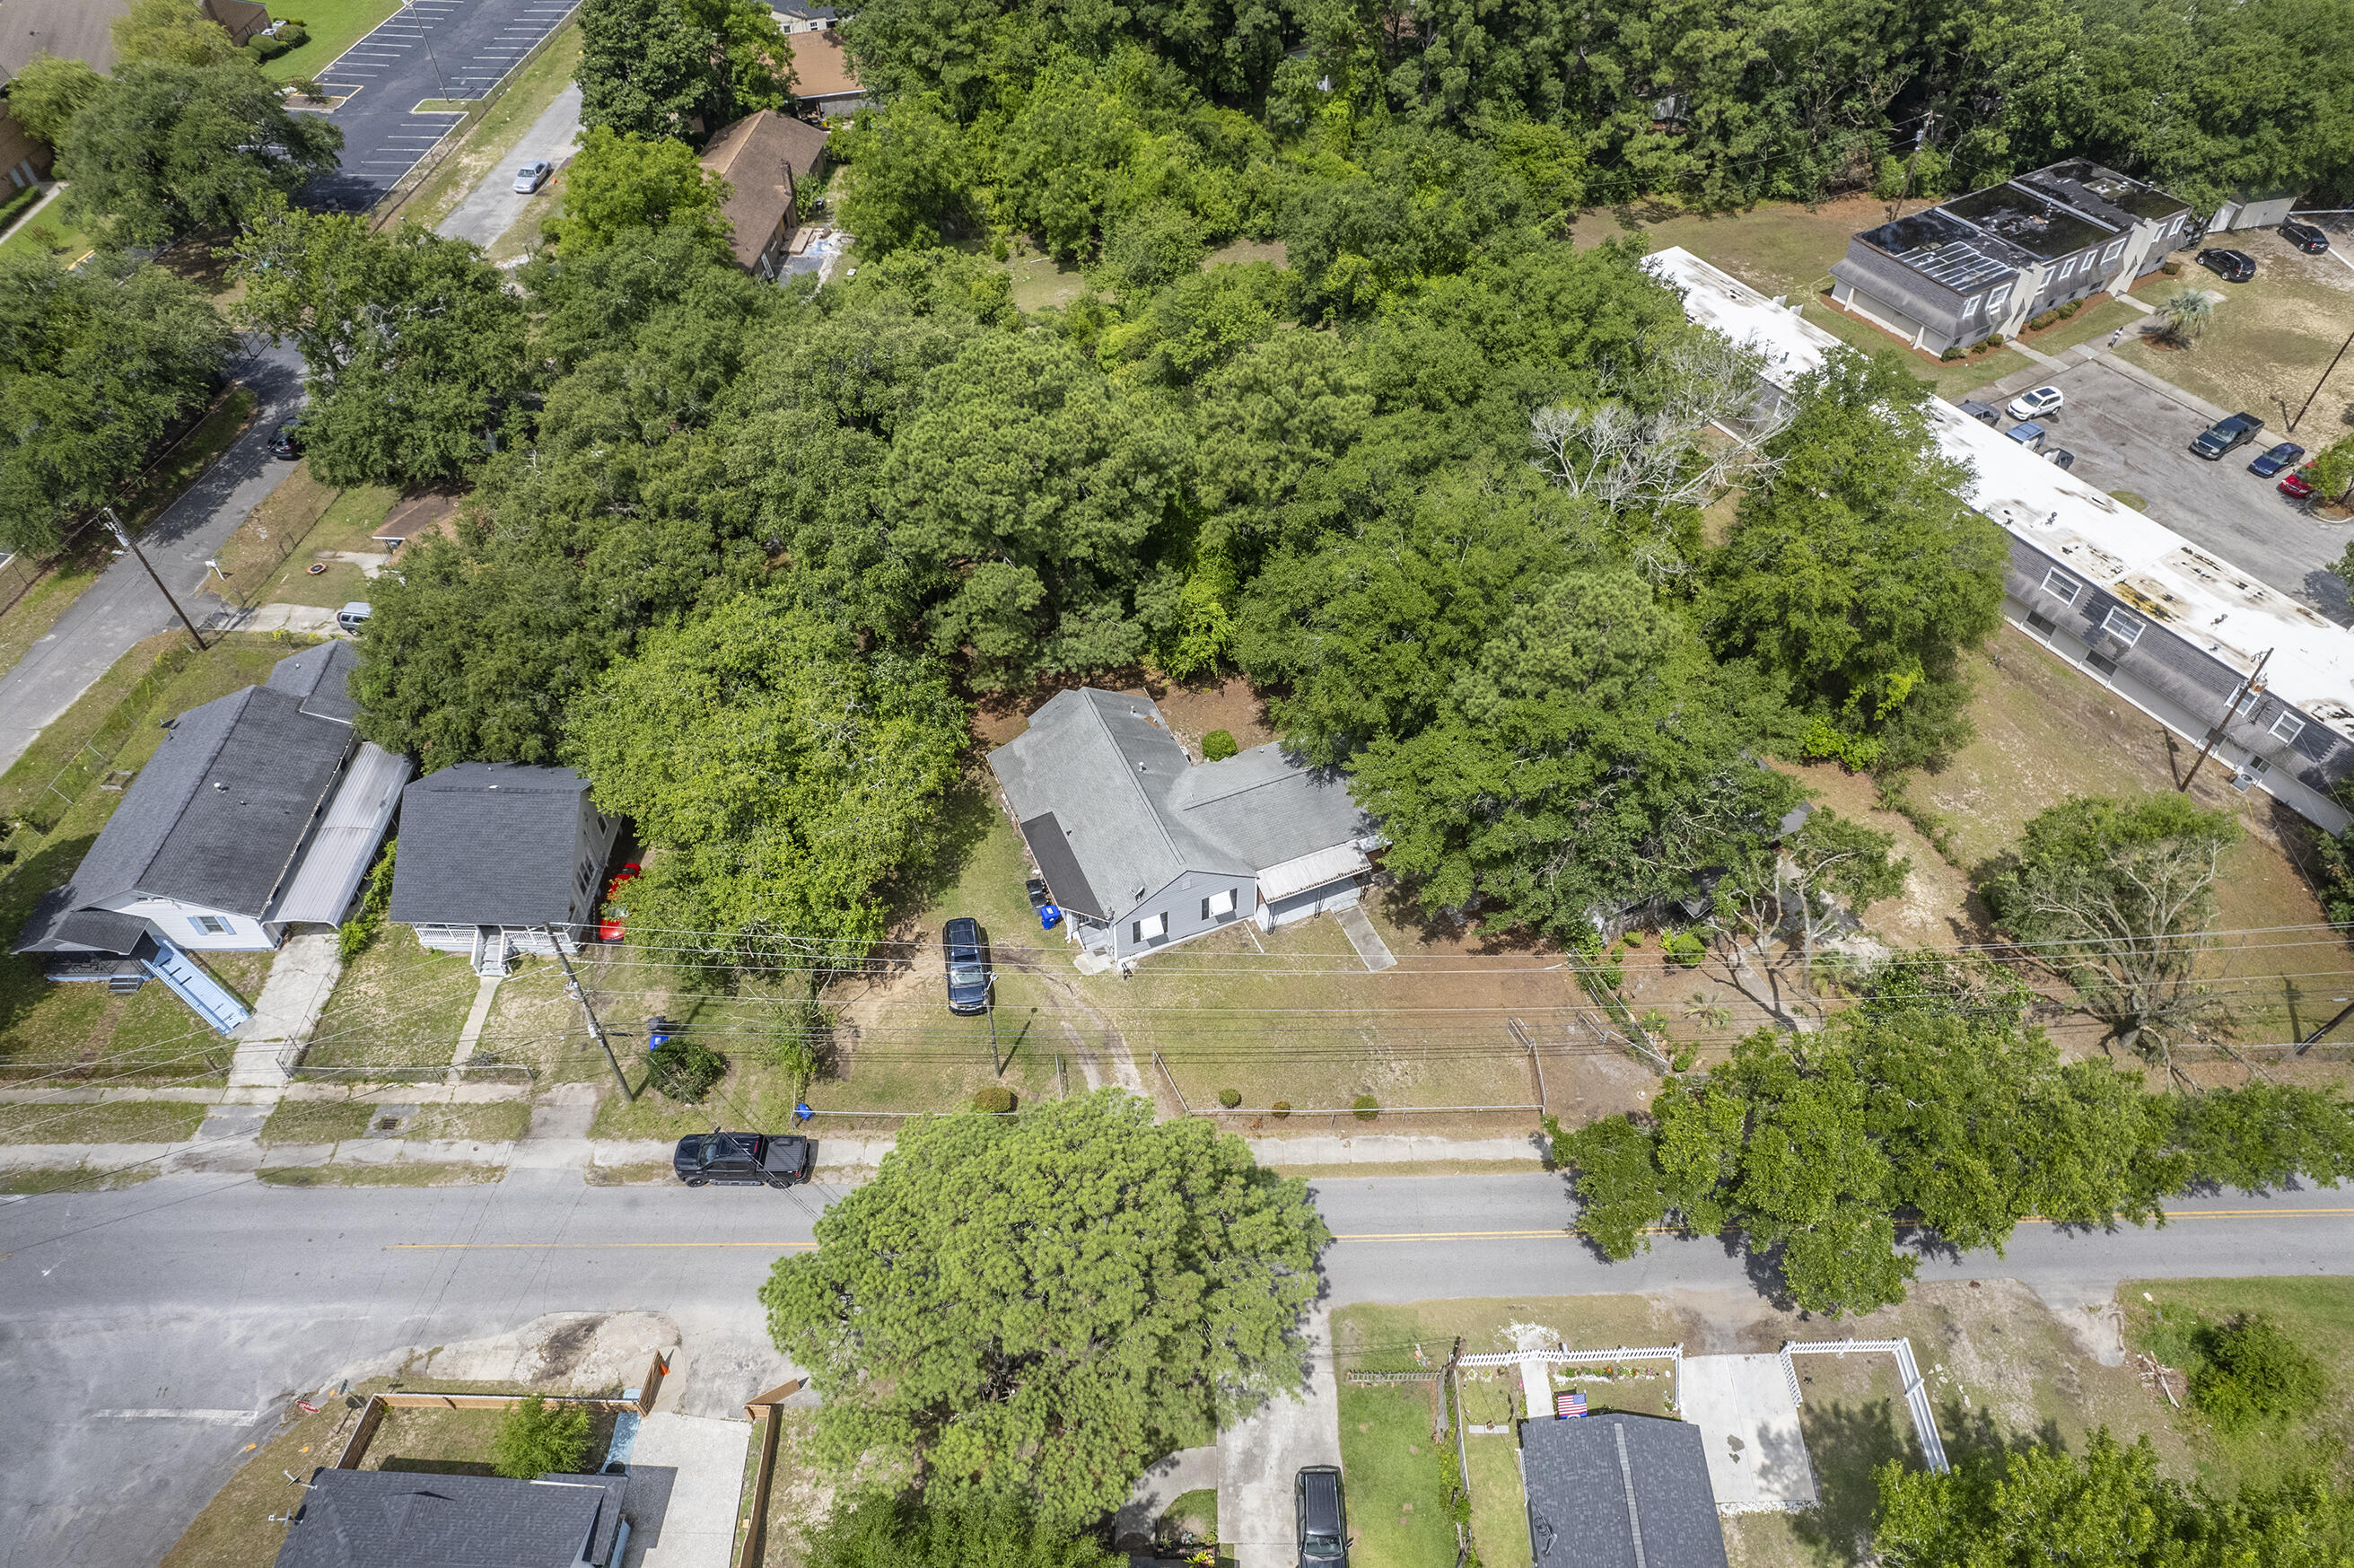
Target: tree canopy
pixel 679 68
pixel 880 1530
pixel 1040 1307
pixel 620 181
pixel 164 148
pixel 48 92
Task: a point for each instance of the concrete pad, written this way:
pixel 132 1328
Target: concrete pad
pixel 1390 1149
pixel 1371 952
pixel 302 977
pixel 288 617
pixel 1258 1456
pixel 1186 1470
pixel 698 1528
pixel 1748 1421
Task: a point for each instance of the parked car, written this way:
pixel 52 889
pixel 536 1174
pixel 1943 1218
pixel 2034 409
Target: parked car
pixel 354 616
pixel 742 1160
pixel 1322 1516
pixel 1984 413
pixel 968 965
pixel 2231 266
pixel 615 925
pixel 2304 236
pixel 286 442
pixel 2274 459
pixel 533 176
pixel 2036 404
pixel 2061 458
pixel 2226 436
pixel 2029 434
pixel 2297 486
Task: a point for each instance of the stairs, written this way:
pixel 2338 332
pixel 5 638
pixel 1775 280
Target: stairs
pixel 493 958
pixel 123 985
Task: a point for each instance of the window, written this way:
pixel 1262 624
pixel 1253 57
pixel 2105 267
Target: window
pixel 1218 904
pixel 2125 628
pixel 1970 310
pixel 2288 726
pixel 1995 299
pixel 2113 251
pixel 2061 587
pixel 1149 928
pixel 211 925
pixel 2248 701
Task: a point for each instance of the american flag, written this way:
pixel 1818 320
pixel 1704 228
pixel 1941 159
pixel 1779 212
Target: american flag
pixel 1570 1406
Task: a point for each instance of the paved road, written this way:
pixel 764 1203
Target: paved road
pixel 491 208
pixel 122 606
pixel 427 50
pixel 217 1297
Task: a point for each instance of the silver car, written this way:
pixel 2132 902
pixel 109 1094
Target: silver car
pixel 533 176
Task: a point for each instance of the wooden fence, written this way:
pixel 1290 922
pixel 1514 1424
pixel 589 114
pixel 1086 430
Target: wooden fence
pixel 752 1520
pixel 372 1417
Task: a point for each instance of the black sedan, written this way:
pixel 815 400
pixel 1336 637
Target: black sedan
pixel 2231 266
pixel 742 1160
pixel 2288 454
pixel 286 442
pixel 2305 237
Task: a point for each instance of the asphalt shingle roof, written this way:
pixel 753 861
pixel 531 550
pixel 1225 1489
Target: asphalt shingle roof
pixel 399 1519
pixel 1619 1491
pixel 488 843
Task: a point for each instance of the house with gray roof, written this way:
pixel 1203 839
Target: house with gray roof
pixel 497 858
pixel 1613 1491
pixel 1142 847
pixel 404 1519
pixel 257 816
pixel 1982 264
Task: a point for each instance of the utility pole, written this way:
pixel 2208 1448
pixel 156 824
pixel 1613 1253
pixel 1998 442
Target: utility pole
pixel 131 545
pixel 2307 1042
pixel 2254 682
pixel 994 1065
pixel 426 38
pixel 1438 1391
pixel 2325 377
pixel 594 1027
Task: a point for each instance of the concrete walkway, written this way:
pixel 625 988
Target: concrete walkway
pixel 1186 1470
pixel 491 208
pixel 122 607
pixel 1258 1456
pixel 1386 1149
pixel 1359 929
pixel 705 1457
pixel 286 617
pixel 302 977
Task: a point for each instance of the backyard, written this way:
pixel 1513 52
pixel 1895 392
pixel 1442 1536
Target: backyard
pixel 2270 340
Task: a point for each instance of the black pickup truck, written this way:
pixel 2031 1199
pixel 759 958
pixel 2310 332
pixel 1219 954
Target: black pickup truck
pixel 742 1160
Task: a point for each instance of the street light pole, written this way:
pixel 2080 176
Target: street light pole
pixel 131 545
pixel 2325 376
pixel 427 41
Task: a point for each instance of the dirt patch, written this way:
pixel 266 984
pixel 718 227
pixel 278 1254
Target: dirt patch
pixel 1194 711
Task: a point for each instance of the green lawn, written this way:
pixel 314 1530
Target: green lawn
pixel 2162 1318
pixel 2270 340
pixel 345 526
pixel 335 26
pixel 316 1121
pixel 122 1121
pixel 1397 1478
pixel 49 232
pixel 396 1005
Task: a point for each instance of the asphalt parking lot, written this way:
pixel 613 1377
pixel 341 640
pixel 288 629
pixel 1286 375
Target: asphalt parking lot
pixel 2129 436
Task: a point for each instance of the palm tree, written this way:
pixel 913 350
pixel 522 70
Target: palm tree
pixel 2186 313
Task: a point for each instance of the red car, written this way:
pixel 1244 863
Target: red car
pixel 2297 487
pixel 615 924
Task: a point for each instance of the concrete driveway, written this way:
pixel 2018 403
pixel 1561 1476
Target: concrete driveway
pixel 491 208
pixel 2130 432
pixel 1258 1458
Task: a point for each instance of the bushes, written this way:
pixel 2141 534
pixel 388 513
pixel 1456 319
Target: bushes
pixel 993 1099
pixel 536 1437
pixel 1230 1098
pixel 267 47
pixel 1366 1107
pixel 685 1070
pixel 1281 1109
pixel 1684 947
pixel 1957 352
pixel 2252 1373
pixel 1218 745
pixel 356 934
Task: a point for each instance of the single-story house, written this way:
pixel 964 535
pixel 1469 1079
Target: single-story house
pixel 763 157
pixel 823 77
pixel 1142 847
pixel 401 1519
pixel 1619 1491
pixel 497 858
pixel 1979 265
pixel 804 16
pixel 258 814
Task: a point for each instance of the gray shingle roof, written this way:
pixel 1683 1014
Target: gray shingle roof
pixel 316 677
pixel 399 1519
pixel 1135 812
pixel 1595 1485
pixel 488 843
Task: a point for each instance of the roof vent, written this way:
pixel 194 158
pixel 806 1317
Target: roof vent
pixel 218 785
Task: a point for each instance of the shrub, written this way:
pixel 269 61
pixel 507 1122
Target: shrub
pixel 993 1099
pixel 1281 1109
pixel 1367 1107
pixel 2037 323
pixel 1995 340
pixel 267 47
pixel 1230 1098
pixel 2253 1373
pixel 1217 746
pixel 536 1437
pixel 685 1070
pixel 1684 1057
pixel 1957 352
pixel 2172 269
pixel 1685 947
pixel 358 933
pixel 2071 308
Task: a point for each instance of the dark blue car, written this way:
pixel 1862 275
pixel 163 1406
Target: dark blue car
pixel 2288 454
pixel 968 960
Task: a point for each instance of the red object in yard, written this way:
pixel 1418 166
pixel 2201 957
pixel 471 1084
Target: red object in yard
pixel 612 927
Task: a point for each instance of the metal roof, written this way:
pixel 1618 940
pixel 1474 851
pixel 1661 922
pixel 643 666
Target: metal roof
pixel 346 840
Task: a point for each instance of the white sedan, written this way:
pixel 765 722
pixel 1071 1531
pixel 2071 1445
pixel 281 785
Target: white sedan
pixel 533 176
pixel 2037 403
